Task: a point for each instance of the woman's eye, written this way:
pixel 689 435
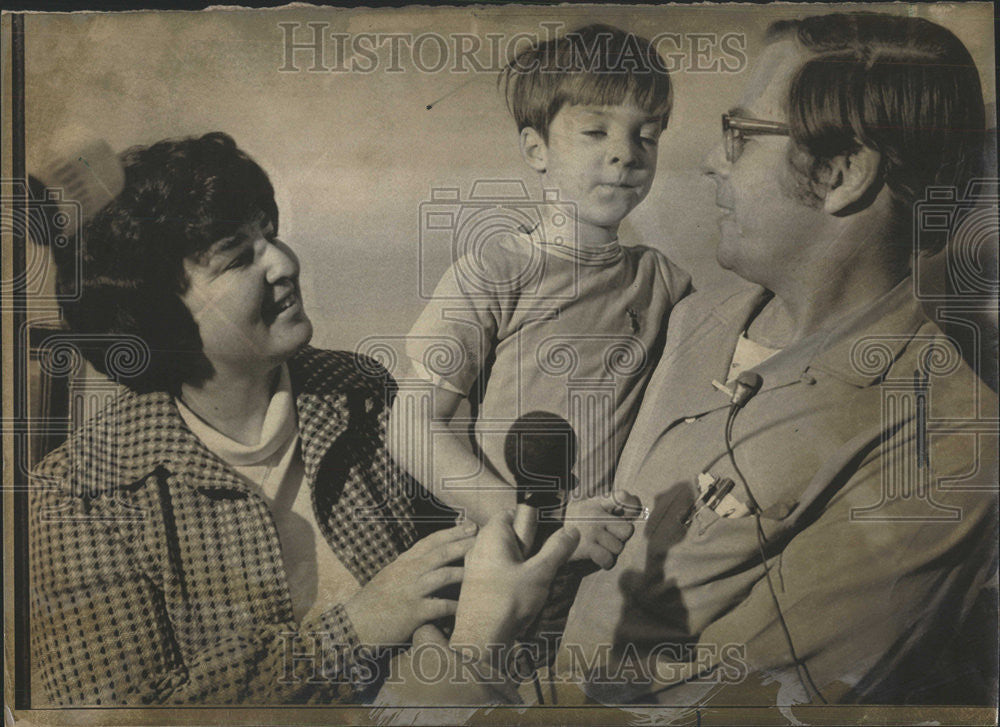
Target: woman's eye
pixel 595 133
pixel 241 260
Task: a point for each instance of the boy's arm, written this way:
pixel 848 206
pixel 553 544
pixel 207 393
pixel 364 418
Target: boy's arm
pixel 422 441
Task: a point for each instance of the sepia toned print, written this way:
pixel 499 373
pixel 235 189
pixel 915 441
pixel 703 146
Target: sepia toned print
pixel 501 364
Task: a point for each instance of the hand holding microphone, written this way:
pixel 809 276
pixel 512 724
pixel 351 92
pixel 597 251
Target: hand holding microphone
pixel 501 594
pixel 540 451
pixel 502 590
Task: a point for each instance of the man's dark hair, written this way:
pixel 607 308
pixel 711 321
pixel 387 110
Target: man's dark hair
pixel 596 65
pixel 903 86
pixel 180 196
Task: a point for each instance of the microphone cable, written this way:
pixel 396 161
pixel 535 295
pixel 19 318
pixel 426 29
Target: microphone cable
pixel 800 666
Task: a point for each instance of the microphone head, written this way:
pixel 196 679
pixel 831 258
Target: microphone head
pixel 748 384
pixel 540 451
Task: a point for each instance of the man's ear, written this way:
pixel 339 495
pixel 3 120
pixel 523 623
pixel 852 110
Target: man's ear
pixel 853 178
pixel 534 150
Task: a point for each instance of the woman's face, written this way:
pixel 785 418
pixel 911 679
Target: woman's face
pixel 243 293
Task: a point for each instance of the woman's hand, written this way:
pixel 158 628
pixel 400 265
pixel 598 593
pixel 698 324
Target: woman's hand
pixel 605 526
pixel 502 593
pixel 389 608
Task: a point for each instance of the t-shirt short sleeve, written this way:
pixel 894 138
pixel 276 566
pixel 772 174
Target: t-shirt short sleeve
pixel 675 278
pixel 453 336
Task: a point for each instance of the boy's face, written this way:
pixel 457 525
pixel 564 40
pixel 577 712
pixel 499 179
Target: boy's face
pixel 602 158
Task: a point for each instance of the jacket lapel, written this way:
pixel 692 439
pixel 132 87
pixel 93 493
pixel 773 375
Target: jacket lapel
pixel 138 435
pixel 341 410
pixel 698 351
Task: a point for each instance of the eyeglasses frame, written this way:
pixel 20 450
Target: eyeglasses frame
pixel 734 127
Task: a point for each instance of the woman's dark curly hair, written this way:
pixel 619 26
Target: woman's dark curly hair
pixel 180 197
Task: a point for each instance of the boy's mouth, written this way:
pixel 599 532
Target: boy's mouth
pixel 618 185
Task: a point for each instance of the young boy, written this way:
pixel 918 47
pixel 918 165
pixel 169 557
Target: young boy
pixel 557 316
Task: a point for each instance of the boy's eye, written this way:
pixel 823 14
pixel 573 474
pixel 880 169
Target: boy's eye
pixel 649 134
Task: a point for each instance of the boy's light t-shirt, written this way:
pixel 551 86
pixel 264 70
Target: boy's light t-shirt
pixel 526 326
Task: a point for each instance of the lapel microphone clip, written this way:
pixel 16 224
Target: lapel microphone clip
pixel 746 386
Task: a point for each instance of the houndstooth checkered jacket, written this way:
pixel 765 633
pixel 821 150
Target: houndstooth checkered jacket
pixel 156 570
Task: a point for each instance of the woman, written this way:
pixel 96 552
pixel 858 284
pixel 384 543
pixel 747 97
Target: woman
pixel 229 529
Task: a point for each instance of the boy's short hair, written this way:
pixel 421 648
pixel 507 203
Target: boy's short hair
pixel 180 197
pixel 595 65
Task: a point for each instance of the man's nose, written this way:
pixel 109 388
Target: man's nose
pixel 715 163
pixel 280 262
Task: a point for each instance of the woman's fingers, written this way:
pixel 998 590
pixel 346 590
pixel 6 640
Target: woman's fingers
pixel 439 578
pixel 446 553
pixel 431 609
pixel 443 537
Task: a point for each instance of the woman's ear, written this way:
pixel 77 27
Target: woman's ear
pixel 534 149
pixel 853 178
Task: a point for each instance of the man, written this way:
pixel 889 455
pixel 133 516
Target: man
pixel 847 560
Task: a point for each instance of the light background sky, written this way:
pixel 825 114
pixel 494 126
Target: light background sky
pixel 353 155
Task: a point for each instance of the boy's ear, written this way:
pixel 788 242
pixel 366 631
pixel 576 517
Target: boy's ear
pixel 534 149
pixel 853 179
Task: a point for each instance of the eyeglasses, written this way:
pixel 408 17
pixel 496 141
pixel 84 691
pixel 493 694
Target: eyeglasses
pixel 736 128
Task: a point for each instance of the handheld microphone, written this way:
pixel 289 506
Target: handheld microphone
pixel 540 451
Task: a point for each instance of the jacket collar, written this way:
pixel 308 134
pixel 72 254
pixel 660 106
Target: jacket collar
pixel 138 434
pixel 863 348
pixel 859 350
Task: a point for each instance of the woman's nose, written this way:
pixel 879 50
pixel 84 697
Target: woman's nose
pixel 280 262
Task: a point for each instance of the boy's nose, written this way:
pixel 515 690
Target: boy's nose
pixel 280 262
pixel 623 151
